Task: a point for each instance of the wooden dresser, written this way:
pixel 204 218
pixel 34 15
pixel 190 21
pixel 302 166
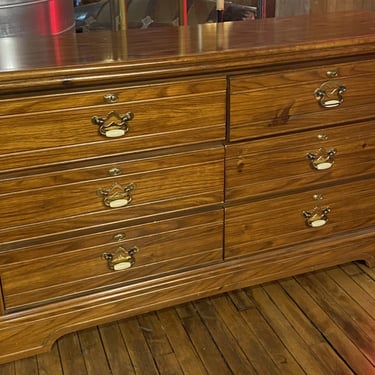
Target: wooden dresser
pixel 146 169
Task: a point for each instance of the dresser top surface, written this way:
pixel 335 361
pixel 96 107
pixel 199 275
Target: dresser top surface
pixel 177 51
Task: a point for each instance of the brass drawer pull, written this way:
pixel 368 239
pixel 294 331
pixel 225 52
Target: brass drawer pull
pixel 322 137
pixel 119 237
pixel 121 259
pixel 330 96
pixel 322 159
pixel 110 128
pixel 117 195
pixel 110 98
pixel 332 74
pixel 317 217
pixel 114 172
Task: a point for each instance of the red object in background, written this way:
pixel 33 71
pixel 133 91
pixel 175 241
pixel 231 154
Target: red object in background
pixel 56 24
pixel 61 16
pixel 264 11
pixel 185 13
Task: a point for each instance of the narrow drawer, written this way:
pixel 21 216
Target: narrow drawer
pixel 299 160
pixel 55 271
pixel 276 103
pixel 58 128
pixel 297 218
pixel 64 200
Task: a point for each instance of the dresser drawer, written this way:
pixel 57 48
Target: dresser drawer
pixel 276 103
pixel 40 274
pixel 64 200
pixel 299 160
pixel 297 218
pixel 58 128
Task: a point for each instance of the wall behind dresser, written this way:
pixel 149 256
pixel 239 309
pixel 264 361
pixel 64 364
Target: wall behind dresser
pixel 296 7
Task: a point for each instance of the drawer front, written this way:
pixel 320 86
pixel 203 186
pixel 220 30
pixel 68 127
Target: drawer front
pixel 60 201
pixel 299 160
pixel 54 271
pixel 56 129
pixel 276 103
pixel 288 220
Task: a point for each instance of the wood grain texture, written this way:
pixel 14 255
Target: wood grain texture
pixel 291 105
pixel 250 165
pixel 246 231
pixel 162 249
pixel 103 57
pixel 283 327
pixel 62 129
pixel 81 207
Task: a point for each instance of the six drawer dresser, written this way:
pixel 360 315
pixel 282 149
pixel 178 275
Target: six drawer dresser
pixel 145 169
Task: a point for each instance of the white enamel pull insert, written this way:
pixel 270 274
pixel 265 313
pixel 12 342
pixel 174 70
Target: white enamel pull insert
pixel 119 203
pixel 115 133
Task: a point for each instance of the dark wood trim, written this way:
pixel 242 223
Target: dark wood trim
pixel 270 8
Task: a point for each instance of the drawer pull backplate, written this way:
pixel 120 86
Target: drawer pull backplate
pixel 322 159
pixel 121 259
pixel 330 94
pixel 113 125
pixel 117 195
pixel 317 217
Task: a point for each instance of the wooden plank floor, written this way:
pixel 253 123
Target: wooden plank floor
pixel 318 323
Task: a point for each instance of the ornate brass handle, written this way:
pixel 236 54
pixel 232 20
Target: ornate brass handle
pixel 317 217
pixel 121 259
pixel 322 159
pixel 110 128
pixel 117 195
pixel 330 94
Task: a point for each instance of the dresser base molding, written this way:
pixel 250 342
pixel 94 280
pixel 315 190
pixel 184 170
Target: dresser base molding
pixel 34 331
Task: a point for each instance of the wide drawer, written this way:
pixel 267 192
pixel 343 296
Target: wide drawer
pixel 57 128
pixel 276 103
pixel 87 197
pixel 304 217
pixel 57 270
pixel 300 160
